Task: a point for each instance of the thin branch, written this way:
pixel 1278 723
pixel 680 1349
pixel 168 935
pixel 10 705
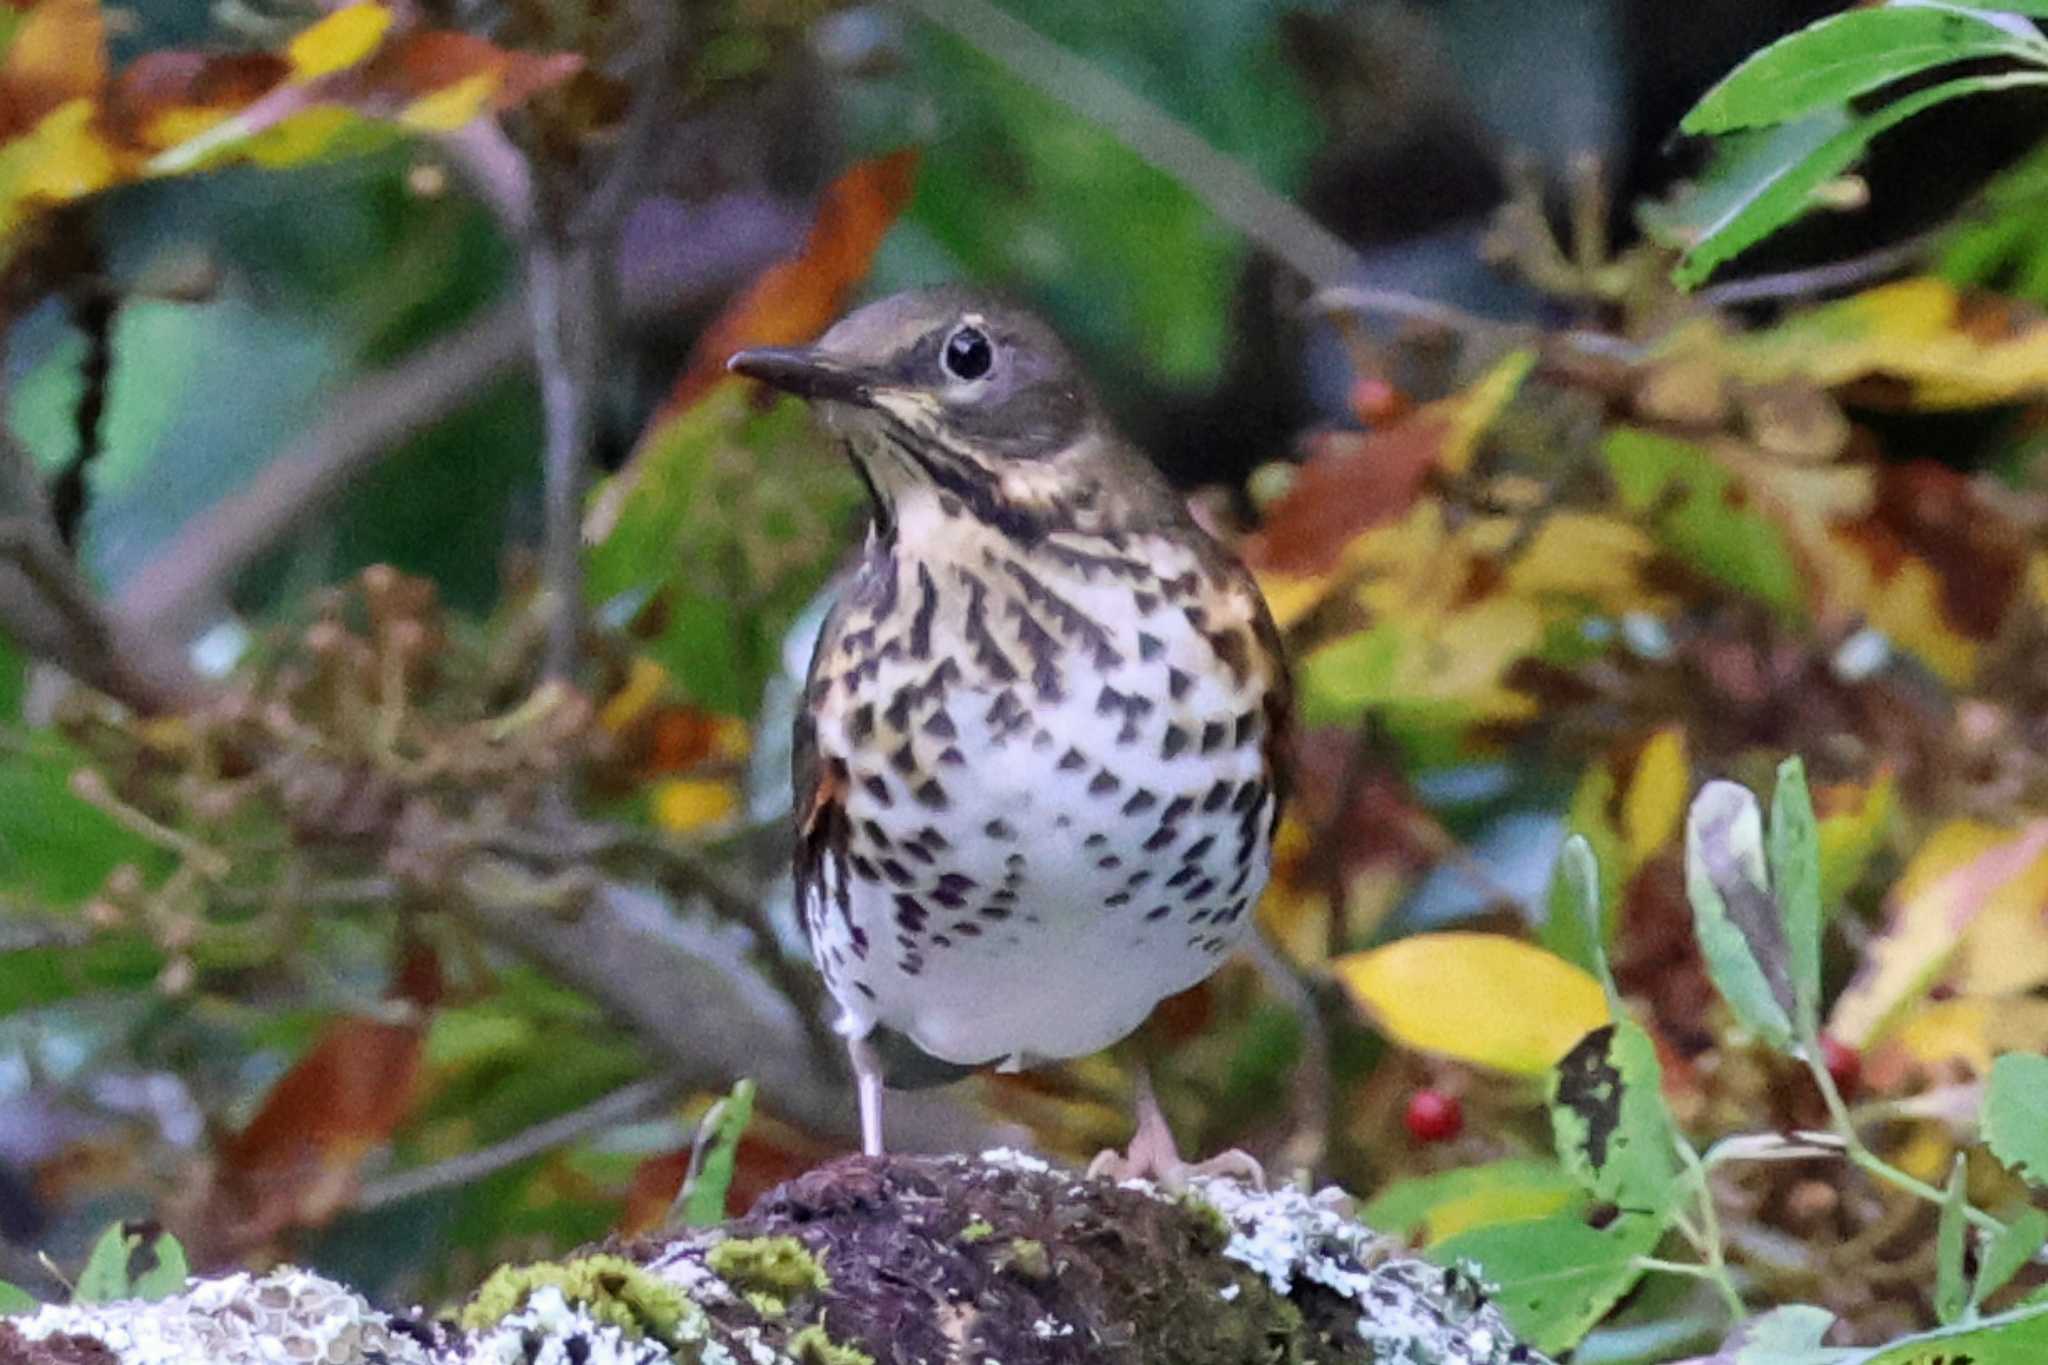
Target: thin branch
pixel 51 610
pixel 1229 189
pixel 627 1102
pixel 658 42
pixel 375 415
pixel 562 293
pixel 1820 279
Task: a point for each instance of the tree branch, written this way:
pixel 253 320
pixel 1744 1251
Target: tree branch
pixel 627 1102
pixel 707 253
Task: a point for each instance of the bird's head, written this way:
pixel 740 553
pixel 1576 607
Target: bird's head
pixel 949 392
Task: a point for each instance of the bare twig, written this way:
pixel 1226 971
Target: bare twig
pixel 695 1002
pixel 562 292
pixel 375 415
pixel 627 1102
pixel 51 611
pixel 1820 279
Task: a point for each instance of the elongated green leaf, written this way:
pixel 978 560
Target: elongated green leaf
pixel 2016 1114
pixel 1612 1128
pixel 15 1300
pixel 1795 884
pixel 1578 930
pixel 1777 199
pixel 1846 55
pixel 1951 1237
pixel 2008 1253
pixel 1556 1277
pixel 703 1196
pixel 1740 932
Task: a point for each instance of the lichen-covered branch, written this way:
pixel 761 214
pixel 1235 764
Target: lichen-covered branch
pixel 870 1261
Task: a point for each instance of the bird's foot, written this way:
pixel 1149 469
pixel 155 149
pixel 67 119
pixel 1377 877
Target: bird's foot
pixel 1173 1173
pixel 1154 1156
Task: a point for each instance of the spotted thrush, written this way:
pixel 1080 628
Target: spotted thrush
pixel 1038 758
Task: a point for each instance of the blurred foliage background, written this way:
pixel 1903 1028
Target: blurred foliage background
pixel 409 874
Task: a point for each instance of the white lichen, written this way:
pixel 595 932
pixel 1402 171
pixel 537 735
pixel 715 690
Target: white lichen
pixel 1410 1312
pixel 241 1319
pixel 549 1330
pixel 1010 1159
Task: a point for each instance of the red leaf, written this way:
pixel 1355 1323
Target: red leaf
pixel 1351 482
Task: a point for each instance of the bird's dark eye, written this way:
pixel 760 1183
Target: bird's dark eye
pixel 968 354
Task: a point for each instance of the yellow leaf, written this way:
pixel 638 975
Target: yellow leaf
pixel 61 159
pixel 1586 558
pixel 1291 596
pixel 1904 602
pixel 1478 408
pixel 1655 800
pixel 2005 951
pixel 645 681
pixel 59 53
pixel 338 41
pixel 1973 1032
pixel 686 804
pixel 451 106
pixel 1953 876
pixel 1487 999
pixel 1849 838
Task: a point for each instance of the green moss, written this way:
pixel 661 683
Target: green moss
pixel 1215 1227
pixel 813 1347
pixel 768 1271
pixel 1028 1257
pixel 980 1230
pixel 610 1289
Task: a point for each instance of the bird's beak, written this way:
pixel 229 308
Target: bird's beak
pixel 805 372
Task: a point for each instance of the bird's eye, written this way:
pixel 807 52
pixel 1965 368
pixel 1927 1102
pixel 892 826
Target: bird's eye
pixel 968 354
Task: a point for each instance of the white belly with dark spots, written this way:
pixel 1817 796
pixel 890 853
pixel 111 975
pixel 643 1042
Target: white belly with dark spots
pixel 1031 868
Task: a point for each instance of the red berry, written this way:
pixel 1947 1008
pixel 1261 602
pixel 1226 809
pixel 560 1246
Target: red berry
pixel 1844 1063
pixel 1434 1116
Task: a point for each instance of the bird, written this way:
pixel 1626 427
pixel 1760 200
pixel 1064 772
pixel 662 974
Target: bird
pixel 1039 754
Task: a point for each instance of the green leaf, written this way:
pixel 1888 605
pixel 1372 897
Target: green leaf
pixel 1692 505
pixel 1427 1209
pixel 1784 195
pixel 1951 1242
pixel 1575 901
pixel 2016 1338
pixel 734 518
pixel 2037 9
pixel 105 1277
pixel 2008 1253
pixel 14 1299
pixel 703 1194
pixel 2016 1115
pixel 1556 1277
pixel 1832 61
pixel 55 848
pixel 1741 934
pixel 1612 1128
pixel 1795 884
pixel 168 1275
pixel 1790 1335
pixel 43 976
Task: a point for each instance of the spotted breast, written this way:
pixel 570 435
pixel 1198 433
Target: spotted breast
pixel 1039 789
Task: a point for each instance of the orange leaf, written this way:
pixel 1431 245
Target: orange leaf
pixel 295 1163
pixel 58 54
pixel 794 300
